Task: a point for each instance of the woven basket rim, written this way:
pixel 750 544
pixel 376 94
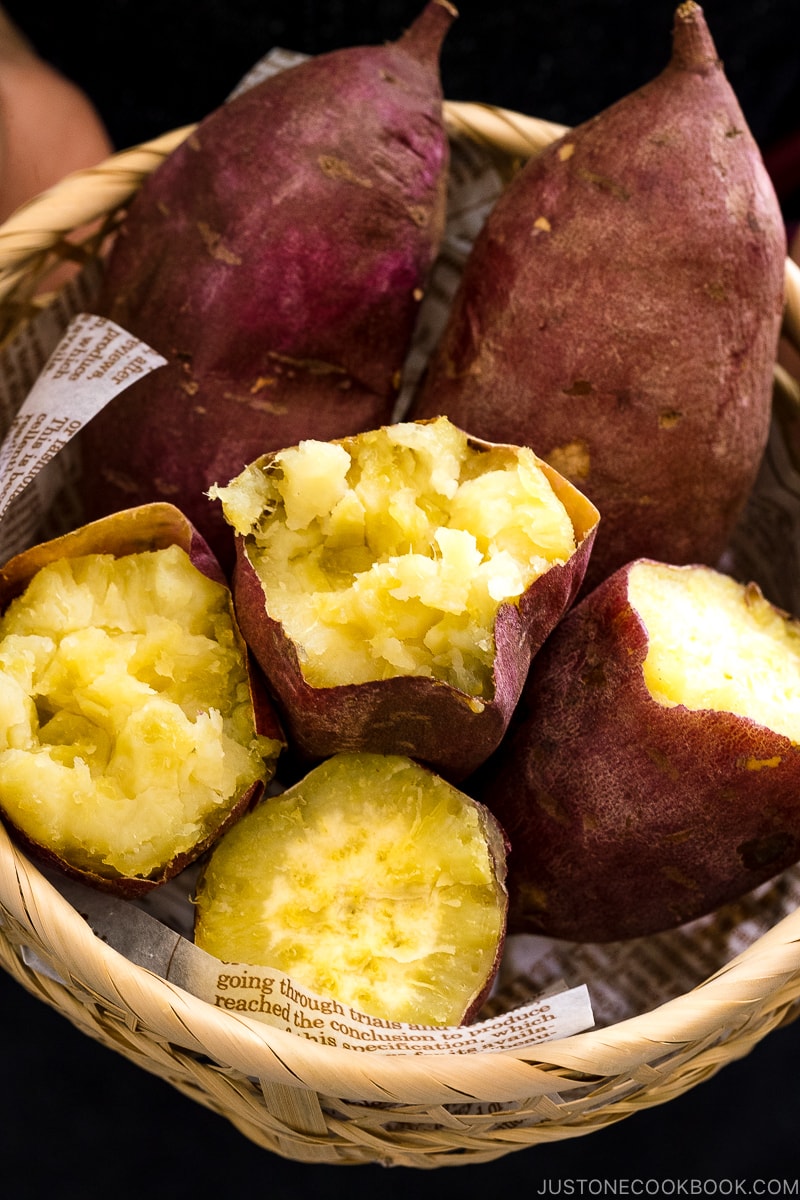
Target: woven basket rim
pixel 722 1002
pixel 767 973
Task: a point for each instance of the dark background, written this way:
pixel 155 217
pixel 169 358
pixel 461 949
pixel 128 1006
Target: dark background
pixel 151 65
pixel 78 1120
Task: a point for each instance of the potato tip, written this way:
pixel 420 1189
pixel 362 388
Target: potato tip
pixel 423 38
pixel 693 47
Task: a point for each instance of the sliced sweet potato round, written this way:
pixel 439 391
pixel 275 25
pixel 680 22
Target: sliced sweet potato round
pixel 372 881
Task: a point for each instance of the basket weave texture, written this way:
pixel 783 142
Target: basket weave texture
pixel 292 1096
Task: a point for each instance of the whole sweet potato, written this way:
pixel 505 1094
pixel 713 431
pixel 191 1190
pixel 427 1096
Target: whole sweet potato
pixel 653 770
pixel 620 313
pixel 277 259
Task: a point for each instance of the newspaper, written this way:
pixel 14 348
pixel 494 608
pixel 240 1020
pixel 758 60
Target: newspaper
pixel 93 361
pixel 545 988
pixel 273 997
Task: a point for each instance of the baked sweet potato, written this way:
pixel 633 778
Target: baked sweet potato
pixel 132 732
pixel 277 259
pixel 371 881
pixel 394 585
pixel 620 313
pixel 653 770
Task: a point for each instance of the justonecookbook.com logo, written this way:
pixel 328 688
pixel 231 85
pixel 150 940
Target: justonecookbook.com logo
pixel 668 1187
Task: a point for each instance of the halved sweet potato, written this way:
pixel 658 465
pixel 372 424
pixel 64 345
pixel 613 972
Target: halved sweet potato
pixel 371 881
pixel 395 585
pixel 131 733
pixel 653 770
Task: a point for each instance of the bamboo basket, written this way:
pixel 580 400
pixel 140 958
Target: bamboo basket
pixel 295 1097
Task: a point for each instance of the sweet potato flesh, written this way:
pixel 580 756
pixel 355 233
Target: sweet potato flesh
pixel 716 644
pixel 126 724
pixel 371 881
pixel 390 553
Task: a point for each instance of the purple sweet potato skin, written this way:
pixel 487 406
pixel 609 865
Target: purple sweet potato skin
pixel 425 719
pixel 626 817
pixel 620 313
pixel 277 259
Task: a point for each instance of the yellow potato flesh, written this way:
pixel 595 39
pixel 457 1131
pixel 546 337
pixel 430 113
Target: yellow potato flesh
pixel 390 554
pixel 126 724
pixel 716 644
pixel 370 881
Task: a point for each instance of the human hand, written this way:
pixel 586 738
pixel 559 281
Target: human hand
pixel 48 126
